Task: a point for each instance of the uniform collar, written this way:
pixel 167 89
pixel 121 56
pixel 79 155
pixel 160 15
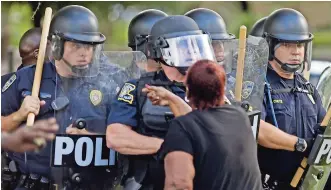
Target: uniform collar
pixel 49 71
pixel 274 77
pixel 20 67
pixel 162 76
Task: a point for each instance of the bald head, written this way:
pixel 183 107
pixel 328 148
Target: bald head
pixel 29 45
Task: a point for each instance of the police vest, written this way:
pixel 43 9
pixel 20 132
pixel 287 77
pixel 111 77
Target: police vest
pixel 152 120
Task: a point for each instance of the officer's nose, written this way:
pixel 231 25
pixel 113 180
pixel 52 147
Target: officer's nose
pixel 83 52
pixel 296 50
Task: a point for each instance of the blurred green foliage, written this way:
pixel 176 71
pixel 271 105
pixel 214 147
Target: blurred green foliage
pixel 17 17
pixel 114 17
pixel 17 13
pixel 322 38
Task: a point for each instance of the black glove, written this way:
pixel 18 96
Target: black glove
pixel 244 105
pixel 319 130
pixel 310 143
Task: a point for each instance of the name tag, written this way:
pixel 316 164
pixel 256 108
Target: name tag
pixel 81 151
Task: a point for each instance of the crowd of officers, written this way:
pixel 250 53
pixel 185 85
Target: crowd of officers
pixel 134 122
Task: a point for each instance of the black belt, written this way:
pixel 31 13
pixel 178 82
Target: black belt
pixel 35 182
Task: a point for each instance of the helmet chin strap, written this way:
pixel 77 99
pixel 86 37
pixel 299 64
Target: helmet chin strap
pixel 290 68
pixel 182 70
pixel 67 63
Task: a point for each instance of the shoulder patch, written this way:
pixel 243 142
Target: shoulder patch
pixel 125 94
pixel 9 82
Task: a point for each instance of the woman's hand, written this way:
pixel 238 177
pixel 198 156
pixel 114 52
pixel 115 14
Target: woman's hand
pixel 158 95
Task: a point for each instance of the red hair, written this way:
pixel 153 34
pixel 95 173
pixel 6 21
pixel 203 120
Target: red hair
pixel 206 82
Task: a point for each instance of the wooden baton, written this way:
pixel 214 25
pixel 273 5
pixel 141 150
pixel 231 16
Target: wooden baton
pixel 39 68
pixel 240 63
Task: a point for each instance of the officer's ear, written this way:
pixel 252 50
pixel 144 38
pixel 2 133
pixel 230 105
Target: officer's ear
pixel 35 53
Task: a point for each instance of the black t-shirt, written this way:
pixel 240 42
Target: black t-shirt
pixel 222 145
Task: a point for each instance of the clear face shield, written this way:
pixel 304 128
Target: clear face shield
pixel 298 56
pixel 184 51
pixel 81 59
pixel 223 50
pixel 305 67
pixel 323 87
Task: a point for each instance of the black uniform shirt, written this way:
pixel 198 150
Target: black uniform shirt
pixel 222 145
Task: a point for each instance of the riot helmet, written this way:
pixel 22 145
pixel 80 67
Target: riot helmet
pixel 140 28
pixel 288 27
pixel 213 24
pixel 257 29
pixel 78 26
pixel 210 22
pixel 177 41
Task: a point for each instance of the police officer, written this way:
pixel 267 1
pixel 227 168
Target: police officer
pixel 137 127
pixel 292 106
pixel 257 29
pixel 213 24
pixel 28 49
pixel 75 71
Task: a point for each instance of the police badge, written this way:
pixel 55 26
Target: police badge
pixel 95 97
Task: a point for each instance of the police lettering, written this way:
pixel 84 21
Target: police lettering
pixel 325 150
pixel 81 151
pixel 254 118
pixel 255 125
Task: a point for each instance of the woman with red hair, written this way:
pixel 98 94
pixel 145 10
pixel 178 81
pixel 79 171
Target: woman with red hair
pixel 210 146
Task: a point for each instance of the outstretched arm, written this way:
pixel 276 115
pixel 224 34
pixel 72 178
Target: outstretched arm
pixel 124 140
